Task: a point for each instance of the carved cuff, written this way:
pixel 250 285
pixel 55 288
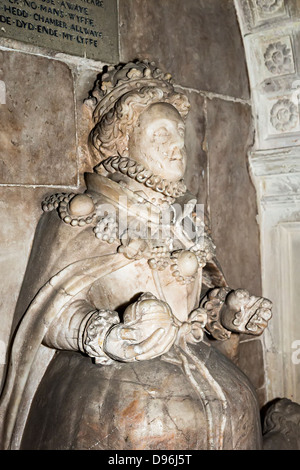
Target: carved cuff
pixel 94 332
pixel 212 303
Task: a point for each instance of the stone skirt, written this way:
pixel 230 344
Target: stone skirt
pixel 147 405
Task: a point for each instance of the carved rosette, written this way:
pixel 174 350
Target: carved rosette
pixel 269 6
pixel 284 115
pixel 278 58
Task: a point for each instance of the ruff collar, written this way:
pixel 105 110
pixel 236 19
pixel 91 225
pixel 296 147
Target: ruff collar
pixel 141 174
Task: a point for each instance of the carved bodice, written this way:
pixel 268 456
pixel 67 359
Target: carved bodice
pixel 123 286
pixel 170 268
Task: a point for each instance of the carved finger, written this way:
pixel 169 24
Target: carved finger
pixel 149 343
pixel 241 294
pixel 266 303
pixel 160 348
pixel 128 334
pixel 143 350
pixel 259 321
pixel 264 313
pixel 252 309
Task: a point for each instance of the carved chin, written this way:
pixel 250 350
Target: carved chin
pixel 175 170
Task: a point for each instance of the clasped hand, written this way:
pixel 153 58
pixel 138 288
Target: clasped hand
pixel 148 331
pixel 243 313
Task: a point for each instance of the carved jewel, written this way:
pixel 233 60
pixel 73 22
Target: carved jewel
pixel 142 175
pixel 185 266
pixel 73 209
pixel 120 80
pixel 186 263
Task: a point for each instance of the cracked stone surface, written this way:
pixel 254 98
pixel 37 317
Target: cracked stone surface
pixel 140 406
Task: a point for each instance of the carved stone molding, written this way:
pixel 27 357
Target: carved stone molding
pixel 276 175
pixel 269 8
pixel 271 36
pixel 258 14
pixel 274 80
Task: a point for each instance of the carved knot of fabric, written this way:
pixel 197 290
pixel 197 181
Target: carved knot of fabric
pixel 95 332
pixel 192 330
pixel 138 172
pixel 202 381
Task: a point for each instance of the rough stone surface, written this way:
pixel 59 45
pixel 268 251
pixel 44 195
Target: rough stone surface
pixel 250 360
pixel 202 47
pixel 37 122
pixel 232 200
pixel 196 173
pixel 21 209
pixel 84 82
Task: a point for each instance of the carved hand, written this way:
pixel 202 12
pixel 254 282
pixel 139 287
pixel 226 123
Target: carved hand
pixel 148 331
pixel 243 313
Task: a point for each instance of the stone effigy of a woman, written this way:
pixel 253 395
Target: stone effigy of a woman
pixel 122 292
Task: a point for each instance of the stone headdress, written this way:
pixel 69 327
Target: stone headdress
pixel 118 98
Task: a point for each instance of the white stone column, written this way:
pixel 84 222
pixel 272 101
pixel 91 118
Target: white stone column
pixel 271 35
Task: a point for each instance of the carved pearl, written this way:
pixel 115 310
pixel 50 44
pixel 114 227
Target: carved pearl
pixel 187 263
pixel 80 205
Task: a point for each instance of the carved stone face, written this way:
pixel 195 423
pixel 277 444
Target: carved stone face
pixel 157 141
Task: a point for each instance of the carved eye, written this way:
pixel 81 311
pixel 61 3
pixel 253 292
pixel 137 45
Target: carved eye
pixel 181 131
pixel 161 135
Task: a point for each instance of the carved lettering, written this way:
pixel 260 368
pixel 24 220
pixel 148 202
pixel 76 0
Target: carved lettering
pixel 74 26
pixel 15 11
pixel 5 19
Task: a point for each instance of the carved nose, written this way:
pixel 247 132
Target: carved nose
pixel 178 142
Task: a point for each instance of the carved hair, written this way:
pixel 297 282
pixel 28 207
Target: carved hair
pixel 111 134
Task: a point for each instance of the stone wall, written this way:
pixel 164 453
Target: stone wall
pixel 44 129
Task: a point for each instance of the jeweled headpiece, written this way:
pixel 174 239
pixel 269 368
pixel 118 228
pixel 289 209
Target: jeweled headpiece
pixel 117 81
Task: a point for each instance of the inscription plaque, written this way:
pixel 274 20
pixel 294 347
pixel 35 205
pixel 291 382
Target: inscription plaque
pixel 85 28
